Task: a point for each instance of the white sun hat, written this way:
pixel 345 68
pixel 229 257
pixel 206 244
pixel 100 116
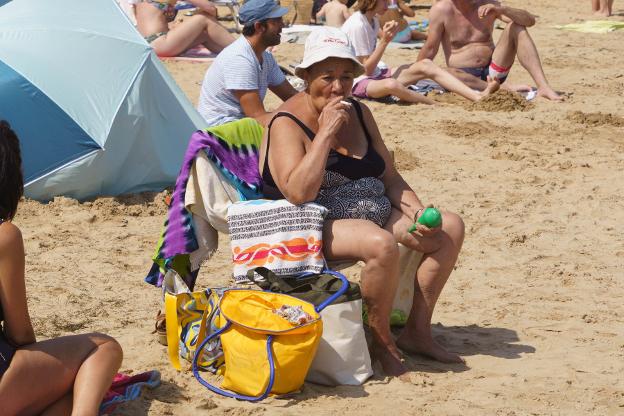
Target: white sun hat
pixel 327 42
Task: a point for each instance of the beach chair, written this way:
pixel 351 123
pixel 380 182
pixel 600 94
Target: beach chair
pixel 233 6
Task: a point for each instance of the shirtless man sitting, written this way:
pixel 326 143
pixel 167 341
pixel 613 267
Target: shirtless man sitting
pixel 465 27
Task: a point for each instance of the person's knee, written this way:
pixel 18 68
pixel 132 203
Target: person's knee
pixel 514 28
pixel 112 346
pixel 453 225
pixel 425 67
pixel 392 85
pixel 383 247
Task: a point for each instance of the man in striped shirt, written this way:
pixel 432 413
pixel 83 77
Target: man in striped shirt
pixel 237 81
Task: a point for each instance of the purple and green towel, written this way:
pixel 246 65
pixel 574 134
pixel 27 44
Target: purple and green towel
pixel 234 149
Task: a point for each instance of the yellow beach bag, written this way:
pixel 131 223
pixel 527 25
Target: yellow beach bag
pixel 264 352
pixel 190 317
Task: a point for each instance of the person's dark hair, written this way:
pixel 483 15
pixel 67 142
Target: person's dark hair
pixel 250 29
pixel 11 178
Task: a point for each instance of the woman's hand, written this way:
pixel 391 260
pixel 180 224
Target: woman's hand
pixel 389 30
pixel 333 117
pixel 421 229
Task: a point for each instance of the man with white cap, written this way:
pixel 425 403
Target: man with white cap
pixel 237 81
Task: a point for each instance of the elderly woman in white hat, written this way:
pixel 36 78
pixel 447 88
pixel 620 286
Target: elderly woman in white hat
pixel 323 146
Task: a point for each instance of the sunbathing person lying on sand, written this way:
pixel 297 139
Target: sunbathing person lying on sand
pixel 153 18
pixel 60 376
pixel 380 81
pixel 322 146
pixel 464 28
pixel 397 10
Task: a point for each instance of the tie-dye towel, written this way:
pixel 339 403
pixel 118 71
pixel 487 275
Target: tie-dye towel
pixel 233 148
pixel 126 388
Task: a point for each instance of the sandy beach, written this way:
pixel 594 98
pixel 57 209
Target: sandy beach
pixel 535 304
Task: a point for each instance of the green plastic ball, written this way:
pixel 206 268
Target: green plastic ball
pixel 430 217
pixel 398 318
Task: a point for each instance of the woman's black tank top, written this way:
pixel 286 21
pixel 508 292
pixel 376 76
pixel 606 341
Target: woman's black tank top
pixel 371 165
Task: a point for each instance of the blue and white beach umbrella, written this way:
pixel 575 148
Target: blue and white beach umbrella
pixel 95 110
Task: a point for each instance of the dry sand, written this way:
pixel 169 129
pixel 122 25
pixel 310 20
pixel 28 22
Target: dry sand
pixel 534 305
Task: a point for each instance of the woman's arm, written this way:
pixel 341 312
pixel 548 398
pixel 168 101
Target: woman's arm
pixel 400 194
pixel 17 326
pixel 297 171
pixel 405 9
pixel 386 35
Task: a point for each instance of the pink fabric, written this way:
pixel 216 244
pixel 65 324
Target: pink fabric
pixel 359 89
pixel 125 388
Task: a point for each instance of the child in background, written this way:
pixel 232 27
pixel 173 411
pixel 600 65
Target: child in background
pixel 335 13
pixel 397 9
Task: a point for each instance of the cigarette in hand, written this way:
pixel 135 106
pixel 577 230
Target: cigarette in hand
pixel 345 102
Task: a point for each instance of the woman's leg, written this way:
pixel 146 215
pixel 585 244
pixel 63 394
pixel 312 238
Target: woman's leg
pixel 200 28
pixel 602 7
pixel 384 87
pixel 409 74
pixel 595 5
pixel 441 253
pixel 418 35
pixel 61 407
pixel 43 374
pixel 363 240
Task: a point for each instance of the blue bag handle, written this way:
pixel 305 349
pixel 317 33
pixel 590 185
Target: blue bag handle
pixel 332 298
pixel 226 393
pixel 267 391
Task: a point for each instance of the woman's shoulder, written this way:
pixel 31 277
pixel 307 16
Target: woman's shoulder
pixel 366 111
pixel 10 239
pixel 293 105
pixel 356 20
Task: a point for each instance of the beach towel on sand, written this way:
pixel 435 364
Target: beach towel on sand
pixel 125 388
pixel 232 150
pixel 593 26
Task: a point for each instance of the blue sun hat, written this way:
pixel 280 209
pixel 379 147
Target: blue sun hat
pixel 257 10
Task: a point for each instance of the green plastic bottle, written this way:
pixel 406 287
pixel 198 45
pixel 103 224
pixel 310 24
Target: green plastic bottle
pixel 430 217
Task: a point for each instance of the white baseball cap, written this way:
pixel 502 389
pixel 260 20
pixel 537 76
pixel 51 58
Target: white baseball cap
pixel 327 42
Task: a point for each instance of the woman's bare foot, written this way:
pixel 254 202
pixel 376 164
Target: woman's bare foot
pixel 492 86
pixel 549 93
pixel 602 13
pixel 428 347
pixel 390 360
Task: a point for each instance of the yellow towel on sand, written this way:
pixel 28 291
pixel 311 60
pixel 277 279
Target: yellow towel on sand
pixel 593 26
